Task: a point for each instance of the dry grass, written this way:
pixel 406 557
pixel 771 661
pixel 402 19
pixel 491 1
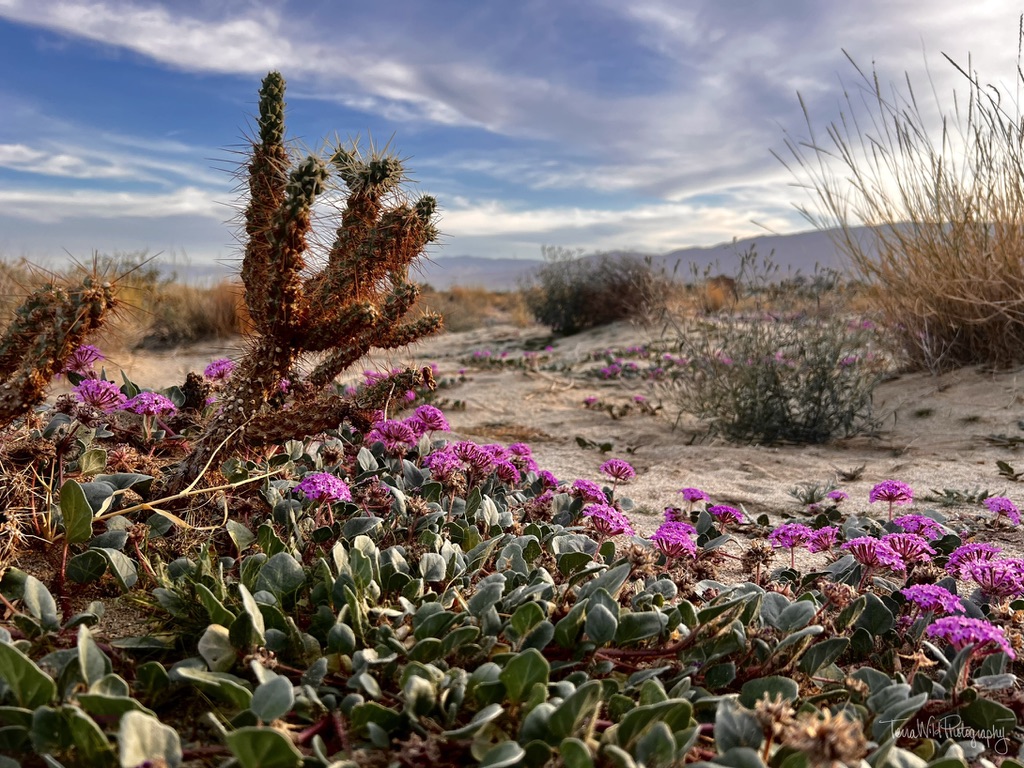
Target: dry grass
pixel 468 308
pixel 943 201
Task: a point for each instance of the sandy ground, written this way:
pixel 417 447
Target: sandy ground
pixel 937 430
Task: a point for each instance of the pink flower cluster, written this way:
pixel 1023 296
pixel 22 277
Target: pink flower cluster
pixel 323 486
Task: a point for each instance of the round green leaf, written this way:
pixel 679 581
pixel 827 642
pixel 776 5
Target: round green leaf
pixel 142 738
pixel 256 747
pixel 503 755
pixel 273 699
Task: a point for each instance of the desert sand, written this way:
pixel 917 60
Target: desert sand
pixel 937 432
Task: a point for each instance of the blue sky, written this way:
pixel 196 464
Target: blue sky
pixel 593 124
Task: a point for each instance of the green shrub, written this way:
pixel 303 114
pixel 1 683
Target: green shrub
pixel 571 293
pixel 803 372
pixel 943 208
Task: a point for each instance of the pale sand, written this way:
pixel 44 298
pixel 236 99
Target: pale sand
pixel 945 449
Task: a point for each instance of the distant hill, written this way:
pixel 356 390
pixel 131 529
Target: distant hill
pixel 799 252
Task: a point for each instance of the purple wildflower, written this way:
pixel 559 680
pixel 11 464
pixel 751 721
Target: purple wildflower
pixel 1001 506
pixel 960 631
pixel 323 486
pixel 838 496
pixel 693 495
pixel 220 369
pixel 790 535
pixel 589 491
pixel 823 539
pixel 397 436
pixel 507 472
pixel 149 404
pixel 547 478
pixel 921 525
pixel 432 418
pixel 997 579
pixel 608 520
pixel 589 401
pixel 618 470
pixel 675 515
pixel 932 597
pixel 893 492
pixel 874 553
pixel 478 459
pixel 910 546
pixel 964 555
pixel 81 360
pixel 105 395
pixel 673 539
pixel 725 514
pixel 442 464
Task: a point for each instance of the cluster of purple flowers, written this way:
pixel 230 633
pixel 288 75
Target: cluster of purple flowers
pixel 893 492
pixel 607 520
pixel 674 539
pixel 618 470
pixel 932 597
pixel 220 369
pixel 960 631
pixel 323 486
pixel 874 553
pixel 150 404
pixel 589 491
pixel 99 393
pixel 1003 507
pixel 911 547
pixel 82 360
pixel 921 525
pixel 725 514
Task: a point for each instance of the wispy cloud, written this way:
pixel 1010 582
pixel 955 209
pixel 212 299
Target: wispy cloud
pixel 58 205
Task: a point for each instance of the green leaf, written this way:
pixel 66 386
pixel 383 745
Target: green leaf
pixel 503 755
pixel 991 717
pixel 92 661
pixel 601 624
pixel 273 699
pixel 571 712
pixel 657 747
pixel 796 615
pixel 223 687
pixel 77 513
pixel 432 567
pixel 770 686
pixel 121 566
pixel 142 739
pixel 876 618
pixel 216 649
pixel 524 671
pixel 241 536
pixel 282 576
pixel 575 754
pixel 568 628
pixel 31 686
pixel 486 715
pixel 488 592
pixel 256 747
pixel 88 738
pixel 92 461
pixel 637 626
pixel 736 727
pixel 822 654
pixel 87 566
pixel 40 603
pixel 214 608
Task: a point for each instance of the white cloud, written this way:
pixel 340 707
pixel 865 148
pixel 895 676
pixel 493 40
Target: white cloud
pixel 58 205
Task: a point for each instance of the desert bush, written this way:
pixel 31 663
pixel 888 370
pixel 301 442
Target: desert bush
pixel 941 198
pixel 792 367
pixel 571 293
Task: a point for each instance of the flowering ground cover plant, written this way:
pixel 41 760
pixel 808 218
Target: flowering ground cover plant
pixel 379 591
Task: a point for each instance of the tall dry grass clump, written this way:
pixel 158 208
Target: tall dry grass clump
pixel 336 308
pixel 942 197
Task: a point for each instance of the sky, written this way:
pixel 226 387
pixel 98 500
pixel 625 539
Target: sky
pixel 599 125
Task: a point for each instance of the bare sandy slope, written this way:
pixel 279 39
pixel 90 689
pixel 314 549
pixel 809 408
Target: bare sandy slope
pixel 936 431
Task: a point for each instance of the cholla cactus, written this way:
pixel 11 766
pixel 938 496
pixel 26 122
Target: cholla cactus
pixel 355 301
pixel 47 328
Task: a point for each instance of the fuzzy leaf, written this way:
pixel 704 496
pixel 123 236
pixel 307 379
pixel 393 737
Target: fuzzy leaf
pixel 770 686
pixel 31 686
pixel 736 727
pixel 77 513
pixel 92 661
pixel 143 739
pixel 256 747
pixel 273 699
pixel 40 603
pixel 216 649
pixel 571 712
pixel 503 755
pixel 122 566
pixel 524 671
pixel 87 566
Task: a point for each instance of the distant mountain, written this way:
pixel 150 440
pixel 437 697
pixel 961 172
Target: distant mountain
pixel 800 252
